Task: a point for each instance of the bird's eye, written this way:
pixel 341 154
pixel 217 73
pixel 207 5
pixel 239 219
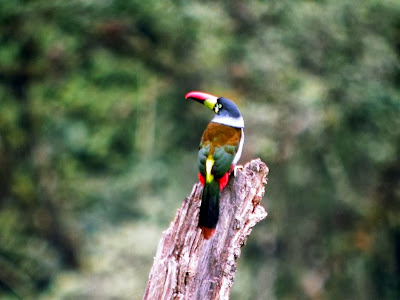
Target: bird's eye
pixel 217 107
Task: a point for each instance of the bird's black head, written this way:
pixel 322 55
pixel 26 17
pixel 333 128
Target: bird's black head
pixel 227 108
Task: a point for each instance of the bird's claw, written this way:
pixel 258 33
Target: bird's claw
pixel 237 168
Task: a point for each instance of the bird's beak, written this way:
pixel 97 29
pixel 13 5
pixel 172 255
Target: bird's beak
pixel 207 100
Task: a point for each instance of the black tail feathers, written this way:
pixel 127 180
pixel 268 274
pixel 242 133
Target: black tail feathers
pixel 209 209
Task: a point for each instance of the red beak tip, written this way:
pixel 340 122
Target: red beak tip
pixel 199 95
pixel 188 95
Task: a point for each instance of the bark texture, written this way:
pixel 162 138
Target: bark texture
pixel 186 265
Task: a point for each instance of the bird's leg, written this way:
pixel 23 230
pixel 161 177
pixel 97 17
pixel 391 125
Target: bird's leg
pixel 234 169
pixel 239 167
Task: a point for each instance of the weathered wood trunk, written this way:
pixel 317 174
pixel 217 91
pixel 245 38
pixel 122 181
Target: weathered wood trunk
pixel 186 265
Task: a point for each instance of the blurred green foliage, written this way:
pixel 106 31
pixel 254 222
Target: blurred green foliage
pixel 98 145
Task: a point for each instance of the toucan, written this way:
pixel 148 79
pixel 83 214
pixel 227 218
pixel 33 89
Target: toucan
pixel 220 149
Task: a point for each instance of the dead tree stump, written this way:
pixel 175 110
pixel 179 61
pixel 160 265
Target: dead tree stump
pixel 186 265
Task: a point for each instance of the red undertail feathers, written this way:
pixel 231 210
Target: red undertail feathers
pixel 207 232
pixel 223 181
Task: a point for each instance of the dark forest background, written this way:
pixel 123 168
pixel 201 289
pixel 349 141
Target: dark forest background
pixel 98 146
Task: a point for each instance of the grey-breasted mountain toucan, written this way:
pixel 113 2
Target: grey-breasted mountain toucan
pixel 220 149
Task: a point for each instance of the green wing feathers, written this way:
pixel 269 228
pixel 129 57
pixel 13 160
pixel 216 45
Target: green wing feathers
pixel 223 157
pixel 202 157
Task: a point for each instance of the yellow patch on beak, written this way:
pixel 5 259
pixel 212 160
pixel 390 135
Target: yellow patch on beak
pixel 211 104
